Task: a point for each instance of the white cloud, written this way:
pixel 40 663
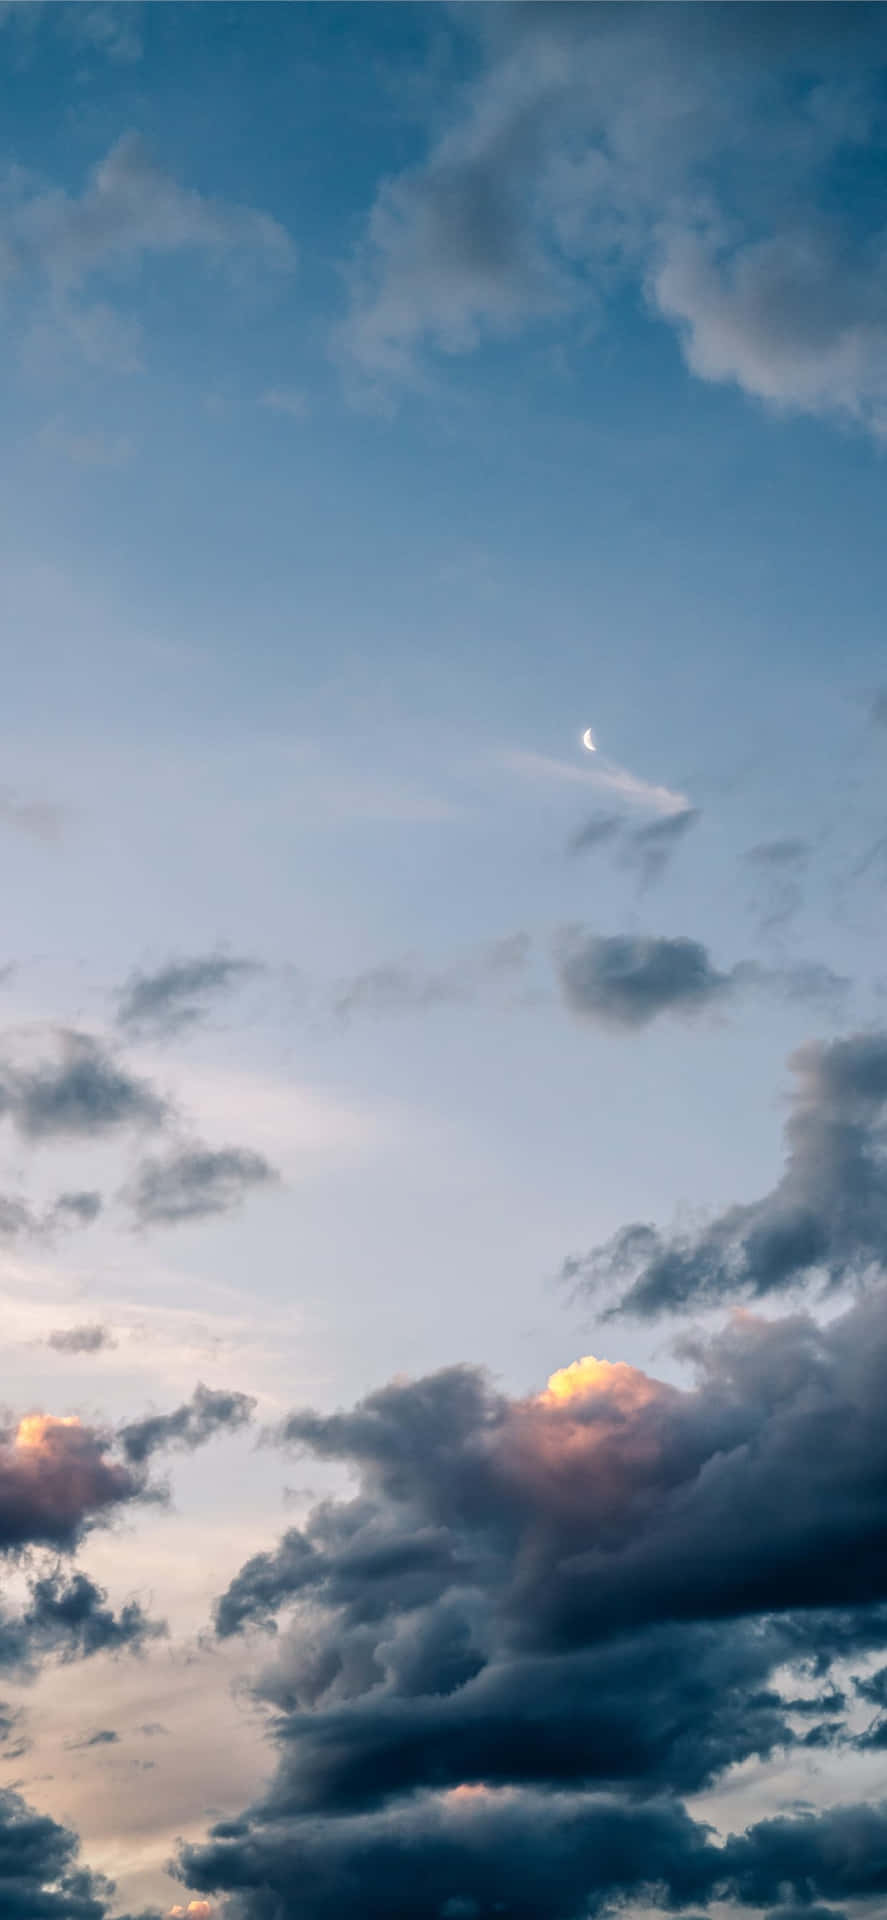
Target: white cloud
pixel 599 146
pixel 602 778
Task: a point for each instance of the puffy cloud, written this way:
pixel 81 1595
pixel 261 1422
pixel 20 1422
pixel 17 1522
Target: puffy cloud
pixel 57 1476
pixel 589 149
pixel 627 979
pixel 85 1091
pixel 190 1425
pixel 827 1214
pixel 192 1183
pixel 90 1337
pixel 175 996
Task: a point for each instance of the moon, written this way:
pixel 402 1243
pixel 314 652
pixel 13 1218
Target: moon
pixel 588 740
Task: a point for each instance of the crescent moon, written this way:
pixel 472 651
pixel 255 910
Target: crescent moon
pixel 588 740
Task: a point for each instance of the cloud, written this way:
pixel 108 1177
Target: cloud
pixel 645 850
pixel 103 1737
pixel 84 1092
pixel 41 1876
pixel 536 1622
pixel 188 1426
pixel 86 448
pixel 39 819
pixel 70 1617
pixel 826 1216
pixel 130 212
pixel 193 1183
pixel 56 1477
pixel 175 996
pixel 18 1219
pixel 625 786
pixel 410 987
pixel 90 1337
pixel 587 151
pixel 878 708
pixel 627 980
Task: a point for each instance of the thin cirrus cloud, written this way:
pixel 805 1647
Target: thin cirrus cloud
pixel 566 171
pixel 826 1216
pixel 646 850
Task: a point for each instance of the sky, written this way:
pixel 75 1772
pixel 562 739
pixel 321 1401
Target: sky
pixel 443 1168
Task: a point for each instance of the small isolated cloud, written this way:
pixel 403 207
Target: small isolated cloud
pixel 19 1220
pixel 193 1183
pixel 599 830
pixel 84 1092
pixel 826 1216
pixel 109 29
pixel 602 776
pixel 627 980
pixel 103 1737
pixel 878 708
pixel 56 1476
pixel 189 1426
pixel 286 400
pixel 176 995
pixel 90 1337
pixel 410 987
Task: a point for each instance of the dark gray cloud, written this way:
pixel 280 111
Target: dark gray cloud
pixel 577 158
pixel 41 1875
pixel 193 1183
pixel 648 850
pixel 69 1616
pixel 176 995
pixel 536 1614
pixel 103 1737
pixel 827 1215
pixel 197 1420
pixel 778 868
pixel 90 1337
pixel 57 1477
pixel 627 980
pixel 410 987
pixel 84 1091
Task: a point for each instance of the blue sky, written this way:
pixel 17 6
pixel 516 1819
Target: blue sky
pixel 389 394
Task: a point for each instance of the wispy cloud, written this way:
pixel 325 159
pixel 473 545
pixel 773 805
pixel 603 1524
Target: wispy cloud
pixel 602 777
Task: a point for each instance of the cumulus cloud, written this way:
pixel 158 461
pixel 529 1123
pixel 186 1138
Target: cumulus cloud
pixel 176 995
pixel 536 1622
pixel 197 1420
pixel 193 1183
pixel 589 150
pixel 41 1875
pixel 826 1216
pixel 83 1091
